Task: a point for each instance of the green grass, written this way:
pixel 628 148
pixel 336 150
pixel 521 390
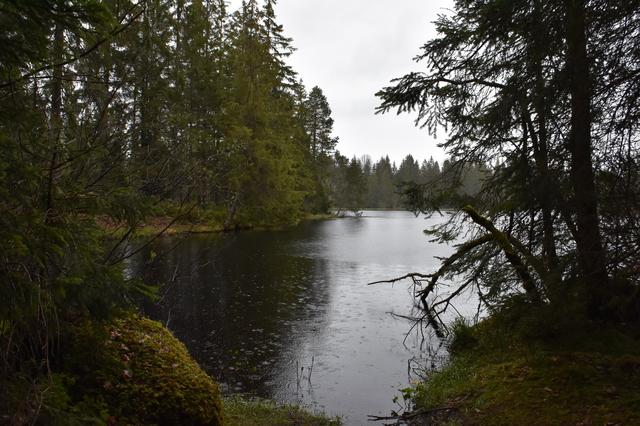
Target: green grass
pixel 239 411
pixel 588 377
pixel 319 216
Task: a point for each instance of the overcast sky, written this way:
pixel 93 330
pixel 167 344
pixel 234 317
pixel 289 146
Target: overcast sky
pixel 353 48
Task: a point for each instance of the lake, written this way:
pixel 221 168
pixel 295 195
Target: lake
pixel 288 314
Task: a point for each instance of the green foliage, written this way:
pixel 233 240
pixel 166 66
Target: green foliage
pixel 48 400
pixel 113 116
pixel 109 112
pixel 462 338
pixel 561 326
pixel 349 184
pixel 318 124
pixel 383 185
pixel 527 92
pixel 54 263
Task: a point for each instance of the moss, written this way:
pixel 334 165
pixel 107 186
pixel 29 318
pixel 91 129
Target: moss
pixel 260 412
pixel 505 380
pixel 143 374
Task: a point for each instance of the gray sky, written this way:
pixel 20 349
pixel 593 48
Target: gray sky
pixel 353 48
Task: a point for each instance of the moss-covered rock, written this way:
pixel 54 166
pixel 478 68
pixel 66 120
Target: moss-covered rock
pixel 143 374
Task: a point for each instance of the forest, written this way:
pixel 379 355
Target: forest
pixel 357 183
pixel 114 113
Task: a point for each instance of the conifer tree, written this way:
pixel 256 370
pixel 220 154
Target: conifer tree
pixel 530 87
pixel 319 124
pixel 266 156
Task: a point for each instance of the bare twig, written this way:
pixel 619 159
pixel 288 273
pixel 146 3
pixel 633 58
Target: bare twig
pixel 408 416
pixel 395 280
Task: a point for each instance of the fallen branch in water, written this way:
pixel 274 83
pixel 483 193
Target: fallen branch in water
pixel 414 275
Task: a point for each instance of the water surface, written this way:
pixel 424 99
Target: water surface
pixel 288 315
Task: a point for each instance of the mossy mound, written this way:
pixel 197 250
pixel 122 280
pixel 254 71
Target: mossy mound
pixel 143 374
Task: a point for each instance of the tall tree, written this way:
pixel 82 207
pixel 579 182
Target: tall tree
pixel 517 82
pixel 319 124
pixel 266 156
pixel 111 111
pixel 590 249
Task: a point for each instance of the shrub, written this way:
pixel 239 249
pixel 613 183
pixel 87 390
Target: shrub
pixel 462 337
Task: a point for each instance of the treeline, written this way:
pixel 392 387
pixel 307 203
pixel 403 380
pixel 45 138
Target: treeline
pixel 172 101
pixel 358 183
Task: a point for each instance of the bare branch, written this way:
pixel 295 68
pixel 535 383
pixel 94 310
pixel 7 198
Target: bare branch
pixel 509 251
pixel 395 280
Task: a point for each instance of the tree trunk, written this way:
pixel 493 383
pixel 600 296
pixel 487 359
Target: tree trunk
pixel 541 148
pixel 585 203
pixel 55 119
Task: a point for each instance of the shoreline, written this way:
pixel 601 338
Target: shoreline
pixel 161 226
pixel 498 377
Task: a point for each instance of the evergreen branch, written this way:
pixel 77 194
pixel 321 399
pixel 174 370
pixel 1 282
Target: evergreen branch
pixel 81 55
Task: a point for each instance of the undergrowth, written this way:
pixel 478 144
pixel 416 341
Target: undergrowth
pixel 534 365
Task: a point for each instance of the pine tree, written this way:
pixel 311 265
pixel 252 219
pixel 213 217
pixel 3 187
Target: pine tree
pixel 54 262
pixel 319 124
pixel 265 155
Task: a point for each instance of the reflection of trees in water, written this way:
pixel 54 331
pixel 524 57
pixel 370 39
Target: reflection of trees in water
pixel 235 301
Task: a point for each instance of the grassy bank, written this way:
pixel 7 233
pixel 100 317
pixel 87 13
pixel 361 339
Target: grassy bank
pixel 240 411
pixel 502 375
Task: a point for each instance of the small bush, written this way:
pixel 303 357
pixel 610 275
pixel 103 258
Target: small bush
pixel 462 337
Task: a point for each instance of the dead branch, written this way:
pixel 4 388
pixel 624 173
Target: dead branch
pixel 509 250
pixel 433 317
pixel 408 416
pixel 462 250
pixel 395 280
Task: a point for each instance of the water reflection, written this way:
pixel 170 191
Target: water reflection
pixel 287 314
